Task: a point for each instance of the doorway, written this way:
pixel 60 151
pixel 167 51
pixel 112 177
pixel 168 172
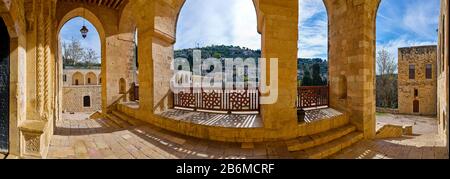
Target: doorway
pixel 4 88
pixel 416 106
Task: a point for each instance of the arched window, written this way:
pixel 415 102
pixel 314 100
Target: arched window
pixel 91 78
pixel 77 79
pixel 86 101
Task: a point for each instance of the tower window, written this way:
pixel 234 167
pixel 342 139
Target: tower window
pixel 429 71
pixel 412 72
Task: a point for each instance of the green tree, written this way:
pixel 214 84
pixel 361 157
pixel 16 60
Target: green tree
pixel 307 80
pixel 316 78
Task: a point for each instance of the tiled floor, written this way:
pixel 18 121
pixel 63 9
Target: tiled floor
pixel 102 139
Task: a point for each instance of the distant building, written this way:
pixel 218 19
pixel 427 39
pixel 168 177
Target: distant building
pixel 82 90
pixel 417 80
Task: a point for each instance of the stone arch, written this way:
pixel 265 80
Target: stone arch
pixel 88 15
pixel 304 27
pixel 91 78
pixel 101 29
pixel 178 6
pixel 127 22
pixel 78 79
pixel 12 26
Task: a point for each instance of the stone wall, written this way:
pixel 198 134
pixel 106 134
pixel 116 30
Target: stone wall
pixel 33 27
pixel 94 74
pixel 73 98
pixel 419 57
pixel 443 72
pixel 387 110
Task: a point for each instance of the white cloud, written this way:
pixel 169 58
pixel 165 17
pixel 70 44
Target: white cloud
pixel 215 22
pixel 421 18
pixel 392 46
pixel 313 29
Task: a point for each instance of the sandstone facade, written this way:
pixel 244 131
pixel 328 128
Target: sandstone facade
pixel 417 92
pixel 36 87
pixel 82 91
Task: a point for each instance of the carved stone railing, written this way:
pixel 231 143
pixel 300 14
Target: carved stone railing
pixel 224 100
pixel 312 96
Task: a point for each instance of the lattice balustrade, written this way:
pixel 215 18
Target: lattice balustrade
pixel 218 99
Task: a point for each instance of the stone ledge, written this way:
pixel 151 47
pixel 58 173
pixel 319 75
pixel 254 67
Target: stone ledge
pixel 393 131
pixel 31 137
pixel 33 126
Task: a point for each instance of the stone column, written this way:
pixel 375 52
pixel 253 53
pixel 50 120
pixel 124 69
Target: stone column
pixel 144 14
pixel 279 29
pixel 37 128
pixel 352 60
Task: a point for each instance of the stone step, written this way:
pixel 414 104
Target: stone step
pixel 109 123
pixel 302 143
pixel 127 118
pixel 121 123
pixel 328 149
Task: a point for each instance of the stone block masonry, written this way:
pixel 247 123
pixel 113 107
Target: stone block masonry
pixel 417 91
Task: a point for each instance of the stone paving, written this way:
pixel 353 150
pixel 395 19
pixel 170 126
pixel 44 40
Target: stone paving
pixel 102 139
pixel 424 144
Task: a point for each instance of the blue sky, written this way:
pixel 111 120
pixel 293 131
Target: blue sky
pixel 400 23
pixel 72 29
pixel 403 23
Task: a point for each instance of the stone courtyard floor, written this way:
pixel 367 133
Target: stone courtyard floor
pixel 77 137
pixel 424 144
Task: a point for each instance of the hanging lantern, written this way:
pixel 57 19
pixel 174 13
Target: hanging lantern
pixel 84 30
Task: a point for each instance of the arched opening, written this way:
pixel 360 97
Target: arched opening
pixel 312 69
pixel 405 50
pixel 220 34
pixel 77 79
pixel 4 87
pixel 82 55
pixel 91 78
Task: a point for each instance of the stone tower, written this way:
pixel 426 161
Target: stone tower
pixel 417 80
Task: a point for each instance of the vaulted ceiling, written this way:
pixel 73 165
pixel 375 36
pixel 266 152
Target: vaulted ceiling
pixel 113 4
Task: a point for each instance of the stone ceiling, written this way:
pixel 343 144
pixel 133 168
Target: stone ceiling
pixel 113 4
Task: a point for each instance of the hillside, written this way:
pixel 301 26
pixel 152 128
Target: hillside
pixel 223 51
